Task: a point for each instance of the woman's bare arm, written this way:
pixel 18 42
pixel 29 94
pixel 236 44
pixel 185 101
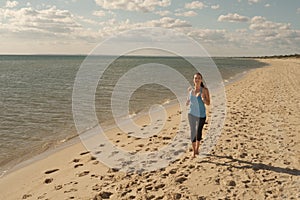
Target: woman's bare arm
pixel 206 97
pixel 188 98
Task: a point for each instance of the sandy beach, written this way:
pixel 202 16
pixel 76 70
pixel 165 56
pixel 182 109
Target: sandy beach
pixel 256 157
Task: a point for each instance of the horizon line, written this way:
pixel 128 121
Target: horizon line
pixel 140 55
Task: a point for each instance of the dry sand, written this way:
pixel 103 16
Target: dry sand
pixel 256 157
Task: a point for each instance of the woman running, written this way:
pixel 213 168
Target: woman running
pixel 198 96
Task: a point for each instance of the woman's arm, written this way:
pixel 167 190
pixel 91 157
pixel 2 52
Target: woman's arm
pixel 188 97
pixel 206 98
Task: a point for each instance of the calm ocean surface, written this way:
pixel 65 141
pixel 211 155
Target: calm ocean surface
pixel 36 97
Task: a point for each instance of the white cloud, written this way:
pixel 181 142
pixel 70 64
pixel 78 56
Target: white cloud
pixel 195 5
pixel 11 4
pixel 241 30
pixel 163 13
pixel 99 13
pixel 215 7
pixel 187 14
pixel 260 23
pixel 233 18
pixel 86 20
pixel 133 5
pixel 209 35
pixel 113 27
pixel 50 21
pixel 274 35
pixel 47 25
pixel 267 5
pixel 261 37
pixel 253 1
pixel 168 22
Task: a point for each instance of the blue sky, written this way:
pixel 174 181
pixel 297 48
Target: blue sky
pixel 223 27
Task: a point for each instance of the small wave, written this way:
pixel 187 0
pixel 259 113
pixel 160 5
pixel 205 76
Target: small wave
pixel 166 102
pixel 3 173
pixel 62 141
pixel 130 116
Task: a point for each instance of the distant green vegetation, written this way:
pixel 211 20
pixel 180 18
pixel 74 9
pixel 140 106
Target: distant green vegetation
pixel 278 56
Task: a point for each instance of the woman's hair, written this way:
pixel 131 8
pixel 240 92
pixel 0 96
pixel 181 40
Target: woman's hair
pixel 202 85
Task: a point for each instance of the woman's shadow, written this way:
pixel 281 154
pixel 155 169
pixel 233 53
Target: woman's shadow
pixel 250 165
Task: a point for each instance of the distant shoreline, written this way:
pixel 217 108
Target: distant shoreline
pixel 275 56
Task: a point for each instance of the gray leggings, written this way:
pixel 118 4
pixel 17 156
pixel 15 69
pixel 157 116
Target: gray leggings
pixel 196 126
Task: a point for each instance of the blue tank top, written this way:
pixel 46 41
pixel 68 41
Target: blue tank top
pixel 197 107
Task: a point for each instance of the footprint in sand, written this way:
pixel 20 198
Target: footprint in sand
pixel 159 186
pixel 83 153
pixel 25 196
pixel 103 195
pixel 48 180
pixel 42 196
pixel 58 187
pixel 114 153
pixel 75 160
pixel 78 165
pixel 98 152
pixel 84 173
pixel 70 183
pixel 71 190
pixel 96 162
pixel 51 171
pixel 93 158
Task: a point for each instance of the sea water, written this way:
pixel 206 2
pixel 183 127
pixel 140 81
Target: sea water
pixel 36 97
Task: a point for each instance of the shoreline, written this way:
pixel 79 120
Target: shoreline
pixel 75 140
pixel 31 160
